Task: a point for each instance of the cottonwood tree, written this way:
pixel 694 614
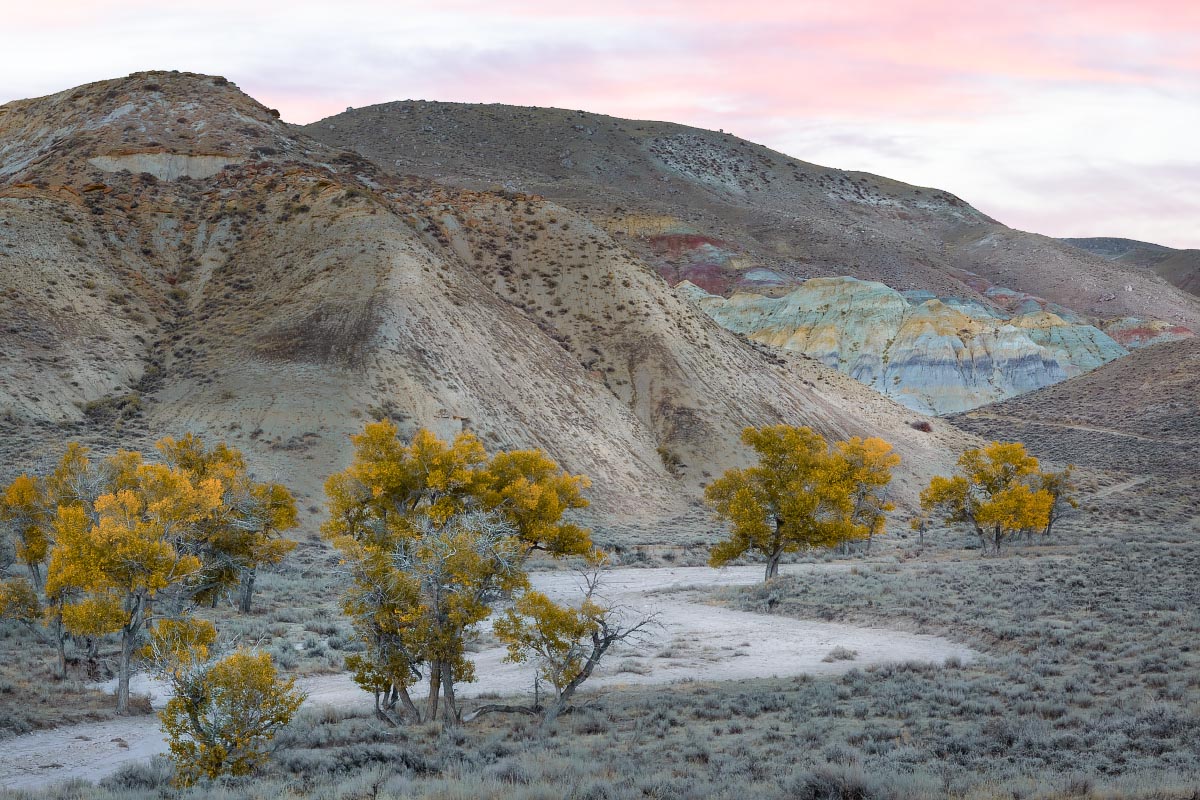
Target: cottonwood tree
pixel 431 532
pixel 129 560
pixel 224 712
pixel 800 495
pixel 23 512
pixel 244 533
pixel 1062 487
pixel 565 643
pixel 28 507
pixel 997 493
pixel 918 525
pixel 870 463
pixel 127 544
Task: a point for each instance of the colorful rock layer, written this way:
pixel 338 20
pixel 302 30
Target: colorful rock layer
pixel 934 355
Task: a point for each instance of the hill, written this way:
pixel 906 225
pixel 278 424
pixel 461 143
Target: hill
pixel 177 258
pixel 711 208
pixel 732 217
pixel 1137 418
pixel 1179 267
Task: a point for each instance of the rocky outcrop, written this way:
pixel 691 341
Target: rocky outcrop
pixel 165 166
pixel 933 355
pixel 1134 333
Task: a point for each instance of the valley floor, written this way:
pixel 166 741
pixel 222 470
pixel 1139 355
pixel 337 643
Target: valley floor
pixel 1067 668
pixel 697 641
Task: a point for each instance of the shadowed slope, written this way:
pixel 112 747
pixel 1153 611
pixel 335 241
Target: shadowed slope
pixel 1179 267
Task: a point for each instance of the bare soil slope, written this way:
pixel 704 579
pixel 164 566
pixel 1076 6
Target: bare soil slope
pixel 724 212
pixel 1179 267
pixel 1137 418
pixel 176 258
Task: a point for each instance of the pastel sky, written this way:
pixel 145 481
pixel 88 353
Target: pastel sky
pixel 1065 117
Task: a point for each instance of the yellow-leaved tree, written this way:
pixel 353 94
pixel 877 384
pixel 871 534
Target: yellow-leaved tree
pixel 224 712
pixel 126 558
pixel 431 533
pixel 997 492
pixel 28 507
pixel 243 533
pixel 1062 487
pixel 870 463
pixel 23 512
pixel 565 643
pixel 800 495
pixel 126 543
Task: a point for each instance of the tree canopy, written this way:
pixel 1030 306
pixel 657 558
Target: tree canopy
pixel 431 533
pixel 801 494
pixel 997 493
pixel 127 543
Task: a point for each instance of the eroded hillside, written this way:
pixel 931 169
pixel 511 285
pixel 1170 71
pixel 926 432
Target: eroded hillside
pixel 712 208
pixel 176 258
pixel 735 218
pixel 932 355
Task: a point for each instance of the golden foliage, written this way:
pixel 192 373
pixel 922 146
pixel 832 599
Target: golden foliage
pixel 430 532
pixel 802 494
pixel 1062 488
pixel 23 512
pixel 243 531
pixel 225 714
pixel 19 601
pixel 870 462
pixel 557 637
pixel 997 492
pixel 127 542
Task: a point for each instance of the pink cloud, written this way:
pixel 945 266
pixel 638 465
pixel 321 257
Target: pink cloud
pixel 947 73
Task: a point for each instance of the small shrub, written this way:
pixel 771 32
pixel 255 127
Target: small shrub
pixel 840 653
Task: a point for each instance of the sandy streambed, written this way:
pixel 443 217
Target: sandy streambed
pixel 696 640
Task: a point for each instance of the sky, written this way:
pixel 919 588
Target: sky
pixel 1064 117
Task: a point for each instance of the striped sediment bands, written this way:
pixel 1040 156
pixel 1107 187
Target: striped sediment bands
pixel 935 355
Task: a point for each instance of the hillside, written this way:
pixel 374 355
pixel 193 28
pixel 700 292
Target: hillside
pixel 708 207
pixel 177 258
pixel 932 355
pixel 1179 267
pixel 1137 418
pixel 732 217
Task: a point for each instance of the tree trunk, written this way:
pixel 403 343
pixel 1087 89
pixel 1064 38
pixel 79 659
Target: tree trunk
pixel 600 646
pixel 35 575
pixel 128 640
pixel 996 534
pixel 60 638
pixel 93 657
pixel 435 687
pixel 129 634
pixel 450 712
pixel 773 566
pixel 499 709
pixel 410 708
pixel 247 590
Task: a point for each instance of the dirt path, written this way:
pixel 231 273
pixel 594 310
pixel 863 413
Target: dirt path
pixel 1073 427
pixel 1117 488
pixel 697 641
